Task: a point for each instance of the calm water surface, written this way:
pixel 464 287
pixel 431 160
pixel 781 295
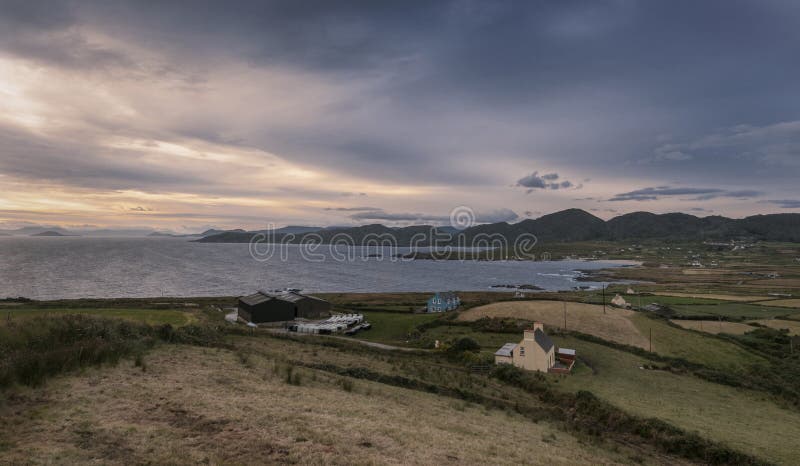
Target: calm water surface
pixel 75 267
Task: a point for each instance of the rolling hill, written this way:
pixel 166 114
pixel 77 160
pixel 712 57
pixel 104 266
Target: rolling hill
pixel 564 226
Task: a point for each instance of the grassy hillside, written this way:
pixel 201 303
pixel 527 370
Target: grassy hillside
pixel 147 316
pixel 195 405
pixel 748 420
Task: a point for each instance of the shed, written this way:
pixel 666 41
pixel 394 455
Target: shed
pixel 505 355
pixel 264 307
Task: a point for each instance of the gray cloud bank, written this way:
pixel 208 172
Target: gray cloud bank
pixel 452 93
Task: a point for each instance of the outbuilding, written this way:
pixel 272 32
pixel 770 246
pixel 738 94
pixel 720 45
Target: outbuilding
pixel 265 307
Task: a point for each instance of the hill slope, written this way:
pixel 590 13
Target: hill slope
pixel 564 226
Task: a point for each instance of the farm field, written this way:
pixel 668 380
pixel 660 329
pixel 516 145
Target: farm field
pixel 392 327
pixel 793 303
pixel 714 326
pixel 194 405
pixel 730 310
pixel 615 325
pixel 734 416
pixel 778 324
pixel 679 343
pixel 713 296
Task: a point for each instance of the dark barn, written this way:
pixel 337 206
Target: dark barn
pixel 280 307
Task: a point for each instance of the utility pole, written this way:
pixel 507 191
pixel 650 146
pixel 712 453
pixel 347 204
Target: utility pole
pixel 604 298
pixel 565 315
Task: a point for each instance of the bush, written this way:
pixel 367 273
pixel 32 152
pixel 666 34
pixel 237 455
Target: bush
pixel 40 347
pixel 464 344
pixel 34 349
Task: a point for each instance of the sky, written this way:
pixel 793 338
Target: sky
pixel 183 116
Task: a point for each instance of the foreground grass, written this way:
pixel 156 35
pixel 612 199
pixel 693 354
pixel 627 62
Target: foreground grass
pixel 175 318
pixel 194 405
pixel 747 420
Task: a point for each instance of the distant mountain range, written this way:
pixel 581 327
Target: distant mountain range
pixel 37 230
pixel 565 226
pixel 50 233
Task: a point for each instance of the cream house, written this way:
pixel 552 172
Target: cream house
pixel 536 351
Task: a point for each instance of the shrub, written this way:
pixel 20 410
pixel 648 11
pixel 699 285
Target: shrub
pixel 464 344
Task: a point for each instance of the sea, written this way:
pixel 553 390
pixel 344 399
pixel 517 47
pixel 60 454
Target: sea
pixel 90 267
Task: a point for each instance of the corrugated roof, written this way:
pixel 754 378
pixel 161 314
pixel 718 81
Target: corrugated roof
pixel 289 296
pixel 506 350
pixel 256 298
pixel 263 296
pixel 542 340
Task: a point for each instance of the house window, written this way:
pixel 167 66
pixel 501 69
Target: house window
pixel 522 351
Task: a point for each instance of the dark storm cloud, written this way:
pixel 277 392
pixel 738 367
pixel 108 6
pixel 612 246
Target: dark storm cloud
pixel 453 92
pixel 698 194
pixel 546 181
pixel 352 209
pixel 784 203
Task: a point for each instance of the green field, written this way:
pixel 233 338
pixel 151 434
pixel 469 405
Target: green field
pixel 747 420
pixel 149 316
pixel 676 342
pixel 731 310
pixel 636 300
pixel 392 327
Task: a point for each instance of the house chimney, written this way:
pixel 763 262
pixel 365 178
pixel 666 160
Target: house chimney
pixel 530 332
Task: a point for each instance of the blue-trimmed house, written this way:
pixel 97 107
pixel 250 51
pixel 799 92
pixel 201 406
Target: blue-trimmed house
pixel 443 301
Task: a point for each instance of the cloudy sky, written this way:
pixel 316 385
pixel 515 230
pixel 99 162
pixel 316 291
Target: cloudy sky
pixel 184 115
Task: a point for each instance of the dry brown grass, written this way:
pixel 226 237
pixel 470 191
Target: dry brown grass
pixel 793 326
pixel 795 303
pixel 201 405
pixel 722 297
pixel 614 325
pixel 714 326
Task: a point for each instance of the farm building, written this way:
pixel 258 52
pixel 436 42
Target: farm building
pixel 619 301
pixel 536 352
pixel 443 301
pixel 280 307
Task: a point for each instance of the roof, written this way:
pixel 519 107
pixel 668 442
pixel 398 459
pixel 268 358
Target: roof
pixel 446 295
pixel 256 298
pixel 506 350
pixel 543 340
pixel 567 351
pixel 263 296
pixel 289 296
